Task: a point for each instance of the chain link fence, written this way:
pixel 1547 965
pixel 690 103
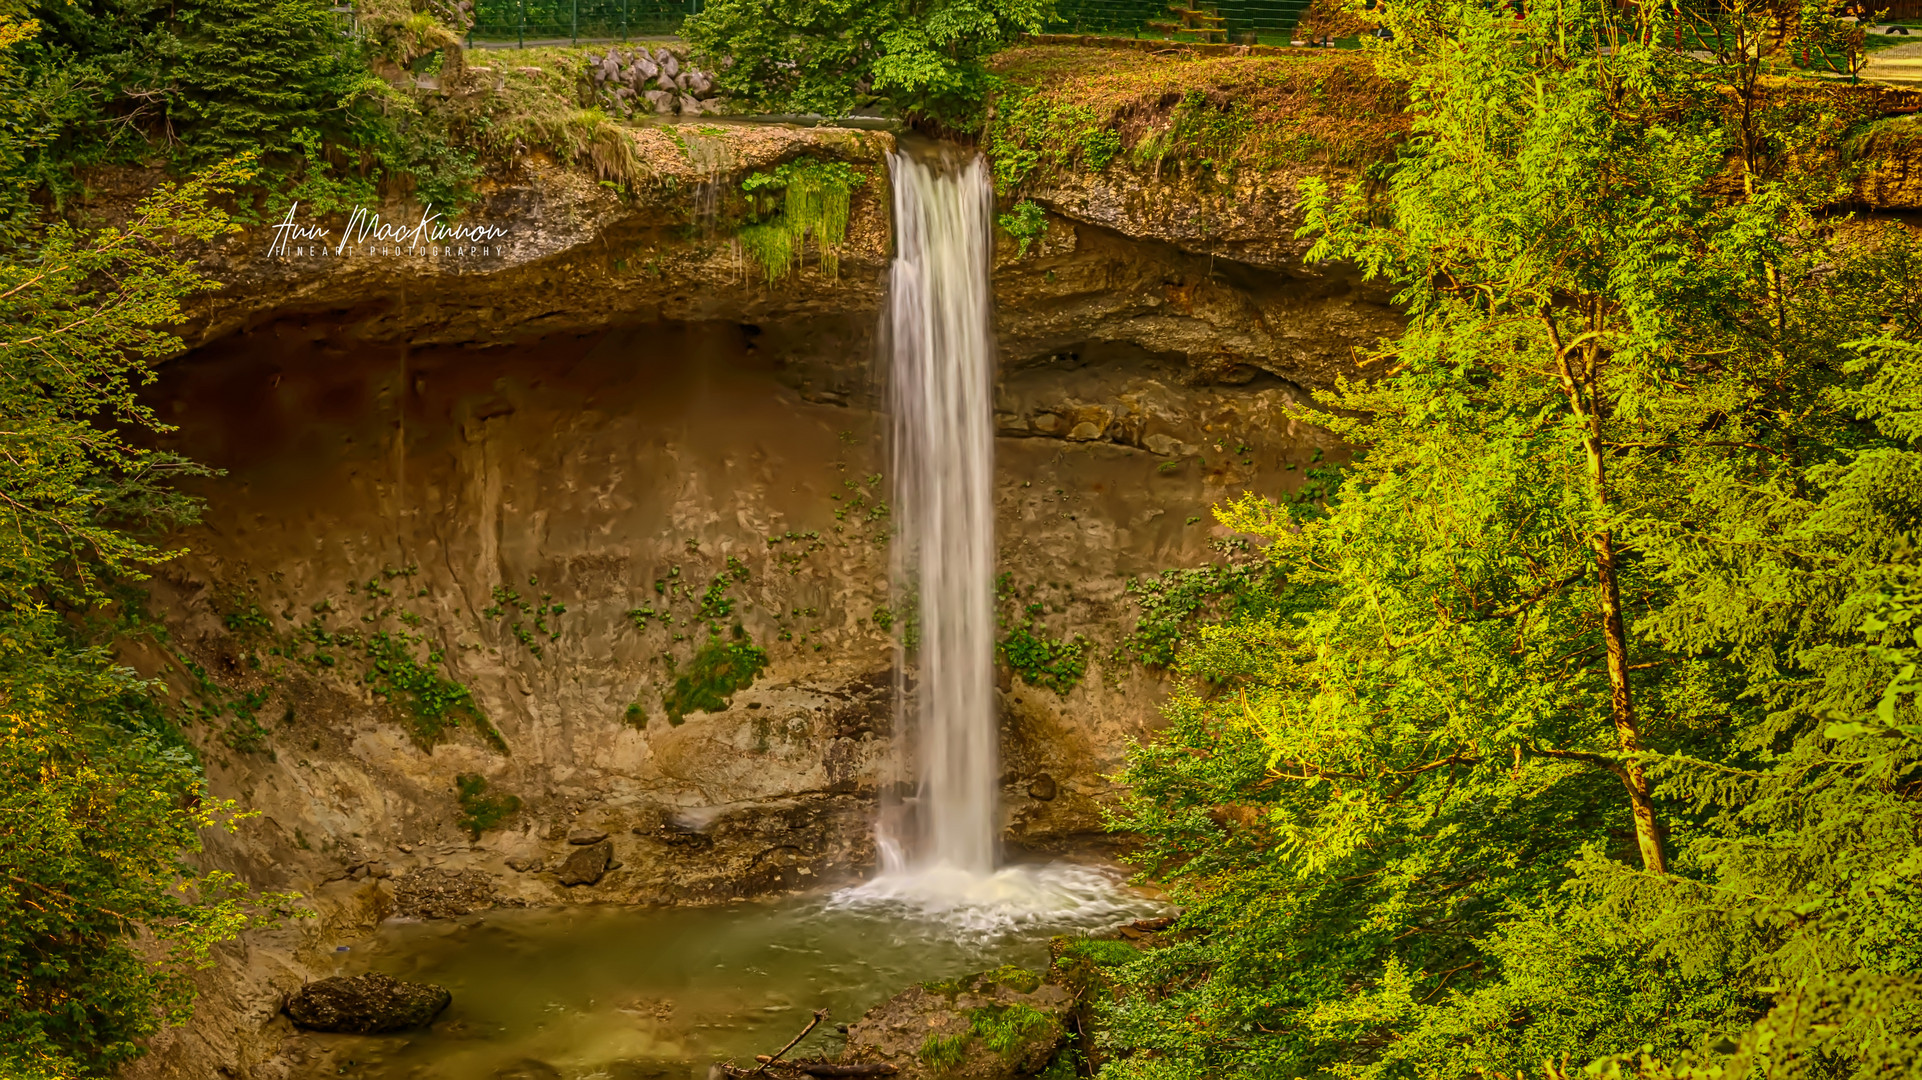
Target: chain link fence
pixel 521 22
pixel 1267 22
pixel 546 22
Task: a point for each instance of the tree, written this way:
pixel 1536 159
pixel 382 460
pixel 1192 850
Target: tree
pixel 100 796
pixel 832 56
pixel 1473 793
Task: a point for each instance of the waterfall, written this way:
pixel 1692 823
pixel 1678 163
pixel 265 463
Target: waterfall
pixel 940 398
pixel 938 855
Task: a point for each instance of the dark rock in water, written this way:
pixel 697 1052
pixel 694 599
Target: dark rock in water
pixel 366 1004
pixel 528 1069
pixel 586 865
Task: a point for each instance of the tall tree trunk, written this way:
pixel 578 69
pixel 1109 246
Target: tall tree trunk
pixel 1582 398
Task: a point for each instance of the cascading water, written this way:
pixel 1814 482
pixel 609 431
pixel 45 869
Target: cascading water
pixel 938 855
pixel 940 387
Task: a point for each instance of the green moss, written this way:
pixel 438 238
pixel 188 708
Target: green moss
pixel 1018 979
pixel 947 988
pixel 636 715
pixel 815 201
pixel 717 671
pixel 479 810
pixel 944 1052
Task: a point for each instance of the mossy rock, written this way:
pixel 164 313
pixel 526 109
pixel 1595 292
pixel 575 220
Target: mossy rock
pixel 990 1025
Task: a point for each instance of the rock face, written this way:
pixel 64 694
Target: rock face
pixel 366 1004
pixel 586 865
pixel 992 1026
pixel 555 474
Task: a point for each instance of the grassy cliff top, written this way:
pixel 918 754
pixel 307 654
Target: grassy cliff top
pixel 1068 108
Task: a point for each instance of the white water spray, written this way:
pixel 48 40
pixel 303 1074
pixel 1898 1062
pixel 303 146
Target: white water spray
pixel 939 859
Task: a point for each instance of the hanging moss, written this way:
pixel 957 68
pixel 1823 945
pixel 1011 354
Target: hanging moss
pixel 815 197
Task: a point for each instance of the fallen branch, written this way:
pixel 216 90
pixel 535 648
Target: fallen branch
pixel 819 1015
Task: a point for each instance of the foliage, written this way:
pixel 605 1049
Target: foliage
pixel 479 810
pixel 536 106
pixel 529 634
pixel 921 57
pixel 1027 222
pixel 1102 952
pixel 22 132
pixel 718 670
pixel 1580 720
pixel 73 308
pixel 815 200
pixel 248 76
pixel 1027 647
pixel 101 925
pixel 404 668
pixel 99 806
pixel 1174 601
pixel 1043 661
pixel 432 702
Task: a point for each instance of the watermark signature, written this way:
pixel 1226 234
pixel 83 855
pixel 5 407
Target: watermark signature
pixel 366 235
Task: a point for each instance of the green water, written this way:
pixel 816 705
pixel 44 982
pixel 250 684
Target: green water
pixel 620 993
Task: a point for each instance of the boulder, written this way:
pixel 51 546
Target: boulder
pixel 997 1025
pixel 582 835
pixel 586 865
pixel 690 106
pixel 670 64
pixel 366 1004
pixel 667 82
pixel 662 101
pixel 697 83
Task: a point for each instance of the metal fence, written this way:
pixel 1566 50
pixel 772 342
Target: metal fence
pixel 1269 22
pixel 523 21
pixel 519 22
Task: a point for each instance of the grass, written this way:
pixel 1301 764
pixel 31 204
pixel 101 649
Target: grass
pixel 537 105
pixel 1072 109
pixel 941 1053
pixel 1102 952
pixel 1006 1028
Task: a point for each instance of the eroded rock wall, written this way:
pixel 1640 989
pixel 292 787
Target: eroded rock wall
pixel 540 489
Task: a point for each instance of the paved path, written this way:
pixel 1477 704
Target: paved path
pixel 1900 65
